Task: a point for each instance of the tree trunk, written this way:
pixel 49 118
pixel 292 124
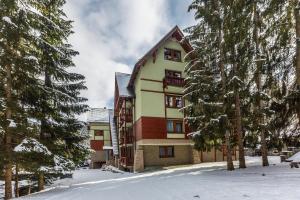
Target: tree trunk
pixel 29 187
pixel 261 120
pixel 297 19
pixel 8 137
pixel 41 182
pixel 230 166
pixel 17 194
pixel 238 117
pixel 264 150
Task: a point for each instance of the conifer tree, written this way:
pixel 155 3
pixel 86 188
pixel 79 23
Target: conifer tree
pixel 59 100
pixel 206 82
pixel 33 45
pixel 17 68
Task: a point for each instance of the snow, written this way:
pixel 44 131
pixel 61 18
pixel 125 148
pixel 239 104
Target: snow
pixel 12 123
pixel 207 181
pixel 98 115
pixel 295 157
pixel 113 132
pixel 122 82
pixel 29 145
pixel 62 163
pixel 33 58
pixel 8 20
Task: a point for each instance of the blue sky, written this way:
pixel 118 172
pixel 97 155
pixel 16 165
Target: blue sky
pixel 111 35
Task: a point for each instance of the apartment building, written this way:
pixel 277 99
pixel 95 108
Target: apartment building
pixel 100 137
pixel 150 126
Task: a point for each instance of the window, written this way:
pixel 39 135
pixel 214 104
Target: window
pixel 166 151
pixel 170 126
pixel 178 102
pixel 178 127
pixel 173 101
pixel 171 54
pixel 169 101
pixel 174 126
pixel 98 132
pixel 173 74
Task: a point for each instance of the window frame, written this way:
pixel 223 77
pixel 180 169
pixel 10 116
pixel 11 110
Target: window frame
pixel 174 103
pixel 98 131
pixel 166 152
pixel 174 126
pixel 172 54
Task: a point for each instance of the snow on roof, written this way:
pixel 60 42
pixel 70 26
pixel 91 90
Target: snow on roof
pixel 98 115
pixel 122 82
pixel 113 132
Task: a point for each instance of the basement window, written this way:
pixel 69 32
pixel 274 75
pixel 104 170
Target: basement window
pixel 166 151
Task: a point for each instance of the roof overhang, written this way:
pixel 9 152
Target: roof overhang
pixel 175 33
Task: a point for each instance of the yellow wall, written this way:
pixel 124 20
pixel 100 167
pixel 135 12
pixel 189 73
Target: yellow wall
pixel 106 132
pixel 152 104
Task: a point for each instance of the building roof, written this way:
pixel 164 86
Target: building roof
pixel 113 133
pixel 122 82
pixel 98 115
pixel 176 33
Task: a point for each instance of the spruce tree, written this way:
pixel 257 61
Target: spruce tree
pixel 59 102
pixel 209 110
pixel 17 67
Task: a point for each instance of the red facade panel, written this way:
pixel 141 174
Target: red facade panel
pixel 187 130
pixel 137 127
pixel 97 145
pixel 150 128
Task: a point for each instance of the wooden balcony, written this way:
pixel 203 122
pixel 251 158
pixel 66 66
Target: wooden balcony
pixel 126 136
pixel 126 116
pixel 174 81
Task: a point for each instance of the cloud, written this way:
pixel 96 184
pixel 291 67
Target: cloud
pixel 111 35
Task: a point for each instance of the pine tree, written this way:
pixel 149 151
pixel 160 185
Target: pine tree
pixel 206 82
pixel 59 100
pixel 17 66
pixel 34 44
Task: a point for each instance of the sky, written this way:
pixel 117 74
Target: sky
pixel 111 35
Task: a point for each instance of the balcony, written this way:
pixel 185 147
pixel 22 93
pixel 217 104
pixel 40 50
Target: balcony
pixel 126 136
pixel 126 115
pixel 173 81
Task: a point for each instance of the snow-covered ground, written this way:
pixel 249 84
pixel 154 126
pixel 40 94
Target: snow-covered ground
pixel 208 181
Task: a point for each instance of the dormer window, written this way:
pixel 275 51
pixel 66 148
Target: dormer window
pixel 172 54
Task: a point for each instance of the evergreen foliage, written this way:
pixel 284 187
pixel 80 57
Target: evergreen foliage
pixel 256 90
pixel 39 94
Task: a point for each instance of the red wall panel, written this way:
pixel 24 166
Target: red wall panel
pixel 153 128
pixel 150 128
pixel 97 145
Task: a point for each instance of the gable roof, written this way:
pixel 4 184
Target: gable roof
pixel 122 80
pixel 176 33
pixel 98 115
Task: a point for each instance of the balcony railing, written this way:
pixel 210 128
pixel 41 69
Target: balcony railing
pixel 126 136
pixel 126 115
pixel 174 81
